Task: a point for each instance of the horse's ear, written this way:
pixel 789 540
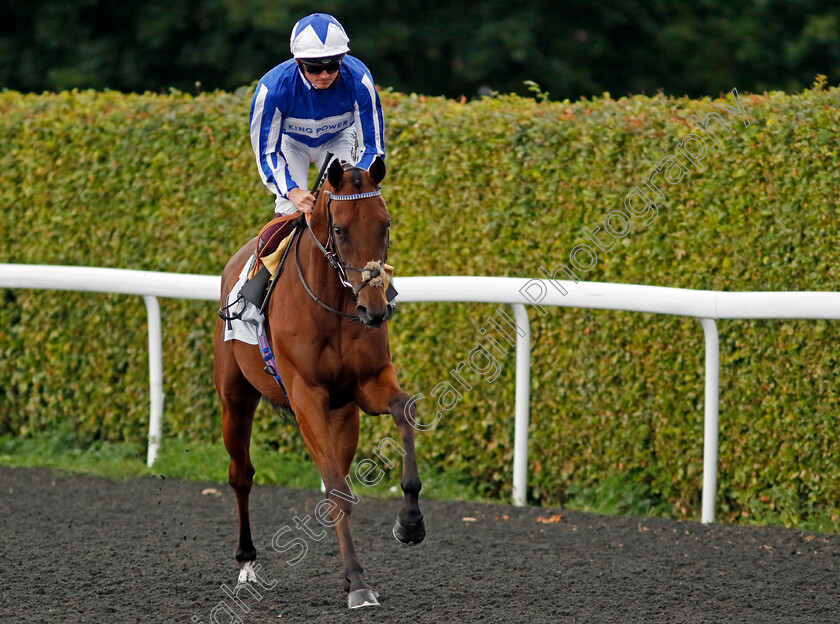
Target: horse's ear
pixel 377 170
pixel 335 173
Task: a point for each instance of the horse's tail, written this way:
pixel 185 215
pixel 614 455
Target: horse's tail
pixel 285 413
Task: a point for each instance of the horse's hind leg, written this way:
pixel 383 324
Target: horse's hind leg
pixel 239 402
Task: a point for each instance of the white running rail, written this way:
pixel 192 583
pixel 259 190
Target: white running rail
pixel 704 305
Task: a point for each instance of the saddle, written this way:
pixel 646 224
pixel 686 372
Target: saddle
pixel 271 250
pixel 272 241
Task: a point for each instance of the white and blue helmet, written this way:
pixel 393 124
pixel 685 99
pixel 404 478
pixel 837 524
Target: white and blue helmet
pixel 318 36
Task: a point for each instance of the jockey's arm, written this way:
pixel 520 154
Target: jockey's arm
pixel 265 129
pixel 368 119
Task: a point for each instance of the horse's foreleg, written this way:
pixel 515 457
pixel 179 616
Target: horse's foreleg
pixel 409 527
pixel 332 438
pixel 343 427
pixel 382 394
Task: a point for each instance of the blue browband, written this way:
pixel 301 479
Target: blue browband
pixel 334 197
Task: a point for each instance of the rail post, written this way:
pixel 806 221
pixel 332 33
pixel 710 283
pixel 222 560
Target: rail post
pixel 522 418
pixel 710 435
pixel 155 377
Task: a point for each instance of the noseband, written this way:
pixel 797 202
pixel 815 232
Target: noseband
pixel 372 272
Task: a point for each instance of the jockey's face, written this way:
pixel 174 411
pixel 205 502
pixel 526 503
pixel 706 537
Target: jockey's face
pixel 322 80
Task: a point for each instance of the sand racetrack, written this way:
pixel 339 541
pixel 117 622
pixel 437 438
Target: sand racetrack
pixel 83 549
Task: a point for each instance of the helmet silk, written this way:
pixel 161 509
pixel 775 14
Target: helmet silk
pixel 317 36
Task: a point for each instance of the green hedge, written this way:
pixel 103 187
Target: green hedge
pixel 499 186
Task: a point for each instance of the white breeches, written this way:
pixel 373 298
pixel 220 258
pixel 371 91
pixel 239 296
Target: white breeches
pixel 299 156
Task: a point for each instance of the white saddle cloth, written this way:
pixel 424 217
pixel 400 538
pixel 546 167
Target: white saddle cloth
pixel 245 328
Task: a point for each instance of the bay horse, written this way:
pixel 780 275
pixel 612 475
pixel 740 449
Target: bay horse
pixel 326 324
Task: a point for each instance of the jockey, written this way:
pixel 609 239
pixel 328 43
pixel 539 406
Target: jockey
pixel 322 100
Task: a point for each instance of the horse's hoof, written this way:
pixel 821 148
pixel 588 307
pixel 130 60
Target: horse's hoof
pixel 362 598
pixel 409 533
pixel 248 573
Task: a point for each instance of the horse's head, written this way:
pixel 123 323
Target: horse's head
pixel 358 224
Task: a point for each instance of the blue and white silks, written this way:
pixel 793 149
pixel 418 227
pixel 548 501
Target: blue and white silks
pixel 287 108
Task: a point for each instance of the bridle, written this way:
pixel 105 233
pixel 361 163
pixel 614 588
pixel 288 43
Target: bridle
pixel 372 272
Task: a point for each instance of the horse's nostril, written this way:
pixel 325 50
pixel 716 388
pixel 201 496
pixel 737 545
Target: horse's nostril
pixel 373 320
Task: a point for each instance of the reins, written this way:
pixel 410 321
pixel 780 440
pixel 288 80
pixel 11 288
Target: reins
pixel 371 273
pixel 315 298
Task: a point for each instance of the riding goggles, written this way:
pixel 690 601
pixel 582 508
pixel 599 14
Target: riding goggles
pixel 317 66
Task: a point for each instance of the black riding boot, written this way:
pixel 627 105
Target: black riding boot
pixel 253 290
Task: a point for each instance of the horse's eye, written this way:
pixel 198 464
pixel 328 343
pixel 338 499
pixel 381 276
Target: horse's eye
pixel 338 231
